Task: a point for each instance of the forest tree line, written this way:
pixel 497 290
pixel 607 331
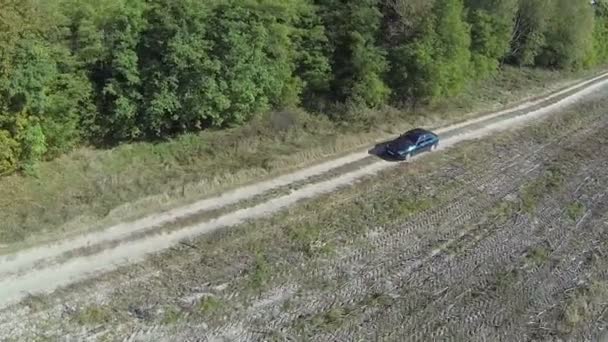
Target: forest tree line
pixel 101 72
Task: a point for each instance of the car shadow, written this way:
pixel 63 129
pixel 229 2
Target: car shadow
pixel 379 151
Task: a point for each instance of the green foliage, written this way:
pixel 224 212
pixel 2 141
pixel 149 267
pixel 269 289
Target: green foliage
pixel 209 305
pixel 533 192
pixel 109 71
pixel 9 152
pixel 176 68
pixel 93 315
pixel 492 23
pixel 254 54
pixel 575 210
pixel 260 272
pixel 104 36
pixel 434 62
pixel 599 52
pixel 569 37
pixel 358 63
pixel 530 27
pixel 34 146
pixel 171 315
pixel 40 89
pixel 312 53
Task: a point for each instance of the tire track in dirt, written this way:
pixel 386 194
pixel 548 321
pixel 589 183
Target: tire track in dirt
pixel 232 327
pixel 586 249
pixel 474 313
pixel 472 309
pixel 356 289
pixel 411 324
pixel 379 270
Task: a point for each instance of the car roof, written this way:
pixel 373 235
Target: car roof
pixel 416 132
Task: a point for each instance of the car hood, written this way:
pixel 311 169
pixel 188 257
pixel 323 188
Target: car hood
pixel 400 145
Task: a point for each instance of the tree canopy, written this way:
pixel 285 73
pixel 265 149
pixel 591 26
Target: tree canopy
pixel 102 72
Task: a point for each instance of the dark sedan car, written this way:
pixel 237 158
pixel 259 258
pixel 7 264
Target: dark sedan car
pixel 411 143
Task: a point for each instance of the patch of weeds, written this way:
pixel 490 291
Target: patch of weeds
pixel 573 314
pixel 468 155
pixel 554 179
pixel 583 304
pixel 333 317
pixel 93 315
pixel 506 279
pixel 530 195
pixel 209 305
pixel 466 242
pixel 401 207
pixel 43 338
pixel 503 212
pixel 538 255
pixel 171 316
pixel 575 210
pixel 275 336
pixel 260 274
pixel 533 192
pixel 328 320
pixel 287 305
pixel 378 299
pixel 413 206
pixel 326 284
pixel 307 238
pixel 36 303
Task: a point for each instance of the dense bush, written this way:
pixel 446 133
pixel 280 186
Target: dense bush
pixel 599 51
pixel 492 24
pixel 107 71
pixel 569 37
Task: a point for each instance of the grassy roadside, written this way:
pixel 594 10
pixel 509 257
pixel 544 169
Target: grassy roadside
pixel 90 188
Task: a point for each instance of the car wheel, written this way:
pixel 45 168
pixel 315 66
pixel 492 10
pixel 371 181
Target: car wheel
pixel 408 156
pixel 434 147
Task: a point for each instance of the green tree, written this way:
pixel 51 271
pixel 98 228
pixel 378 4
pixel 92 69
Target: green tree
pixel 312 56
pixel 40 90
pixel 104 38
pixel 216 65
pixel 9 152
pixel 34 147
pixel 599 54
pixel 569 36
pixel 492 24
pixel 434 59
pixel 358 62
pixel 181 91
pixel 531 23
pixel 108 71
